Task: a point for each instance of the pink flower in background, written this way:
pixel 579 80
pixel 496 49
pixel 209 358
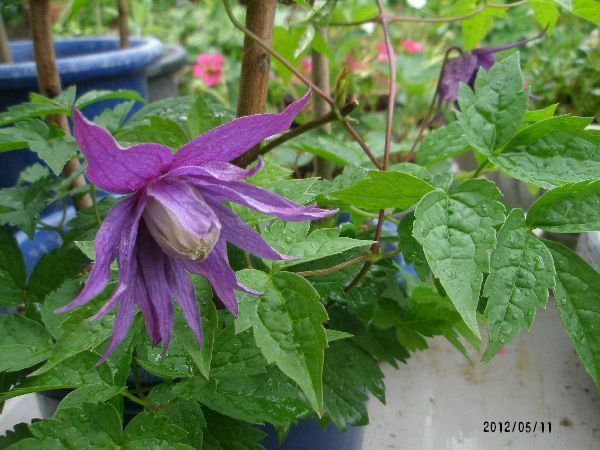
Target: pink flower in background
pixel 383 53
pixel 306 65
pixel 411 46
pixel 352 63
pixel 209 67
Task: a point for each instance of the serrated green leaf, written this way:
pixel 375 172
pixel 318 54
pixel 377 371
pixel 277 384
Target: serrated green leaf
pixel 476 27
pixel 538 115
pixel 348 373
pixel 54 268
pixel 551 153
pixel 93 393
pixel 577 296
pixel 293 238
pixel 177 363
pixel 457 232
pixel 571 208
pixel 236 355
pixel 174 108
pixel 77 371
pixel 24 111
pixel 491 114
pixel 23 343
pixel 441 144
pixel 20 432
pixel 588 10
pixel 545 13
pixel 151 430
pixel 412 250
pixel 384 190
pixel 521 272
pixel 160 130
pixel 100 95
pixel 336 335
pixel 287 322
pixel 12 270
pixel 205 115
pixel 225 433
pixel 270 397
pixel 331 148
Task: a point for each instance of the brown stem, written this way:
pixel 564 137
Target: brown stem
pixel 5 54
pixel 123 24
pixel 256 64
pixel 236 23
pixel 315 123
pixel 312 273
pixel 320 76
pixel 49 82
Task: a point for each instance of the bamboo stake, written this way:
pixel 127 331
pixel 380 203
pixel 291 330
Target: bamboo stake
pixel 123 24
pixel 49 81
pixel 256 65
pixel 5 54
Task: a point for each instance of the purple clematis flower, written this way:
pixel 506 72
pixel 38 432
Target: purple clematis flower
pixel 464 69
pixel 172 220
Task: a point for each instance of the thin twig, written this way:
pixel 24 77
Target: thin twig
pixel 312 273
pixel 95 204
pixel 311 125
pixel 450 19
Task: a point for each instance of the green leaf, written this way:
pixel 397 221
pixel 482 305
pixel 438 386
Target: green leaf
pixel 177 363
pixel 57 298
pixel 412 250
pixel 85 426
pixel 476 27
pixel 457 232
pixel 538 115
pixel 23 343
pixel 348 373
pixel 441 144
pixel 552 152
pixel 225 433
pixel 384 190
pixel 269 397
pixel 78 334
pixel 521 272
pixel 12 270
pixel 79 370
pixel 20 432
pixel 24 111
pixel 54 268
pixel 100 95
pixel 236 355
pixel 588 10
pixel 156 129
pixel 287 322
pixel 174 108
pixel 292 238
pixel 205 114
pixel 93 393
pixel 336 335
pixel 331 148
pixel 150 430
pixel 545 13
pixel 491 114
pixel 571 208
pixel 577 296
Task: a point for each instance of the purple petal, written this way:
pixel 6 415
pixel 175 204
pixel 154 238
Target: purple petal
pixel 105 247
pixel 123 321
pixel 183 291
pixel 241 235
pixel 234 138
pixel 113 168
pixel 152 270
pixel 215 268
pixel 258 199
pixel 217 169
pixel 142 299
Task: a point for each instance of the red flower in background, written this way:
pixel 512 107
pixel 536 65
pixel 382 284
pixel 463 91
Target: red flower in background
pixel 209 67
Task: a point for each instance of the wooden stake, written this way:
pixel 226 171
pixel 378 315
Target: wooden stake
pixel 256 65
pixel 49 81
pixel 5 55
pixel 123 24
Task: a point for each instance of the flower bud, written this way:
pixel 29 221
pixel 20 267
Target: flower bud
pixel 177 240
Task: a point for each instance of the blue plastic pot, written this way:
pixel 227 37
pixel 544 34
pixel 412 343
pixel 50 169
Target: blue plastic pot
pixel 88 63
pixel 308 434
